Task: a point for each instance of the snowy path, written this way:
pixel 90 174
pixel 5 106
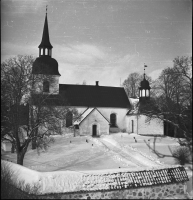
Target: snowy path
pixel 128 154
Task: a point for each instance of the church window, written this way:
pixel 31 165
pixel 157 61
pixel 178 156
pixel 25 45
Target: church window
pixel 143 93
pixel 147 93
pixel 46 52
pixel 113 120
pixel 69 119
pixel 41 52
pixel 46 86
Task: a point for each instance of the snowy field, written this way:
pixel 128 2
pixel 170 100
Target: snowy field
pixel 112 153
pixel 108 152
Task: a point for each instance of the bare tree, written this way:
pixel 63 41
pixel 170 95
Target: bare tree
pixel 45 111
pixel 131 84
pixel 173 101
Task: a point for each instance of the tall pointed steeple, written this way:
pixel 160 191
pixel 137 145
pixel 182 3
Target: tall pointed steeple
pixel 45 64
pixel 45 46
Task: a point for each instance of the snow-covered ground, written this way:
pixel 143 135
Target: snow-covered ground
pixel 70 158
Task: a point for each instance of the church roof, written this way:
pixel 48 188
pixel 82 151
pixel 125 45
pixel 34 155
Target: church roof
pixel 95 96
pixel 89 96
pixel 45 37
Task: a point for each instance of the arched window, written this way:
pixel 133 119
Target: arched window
pixel 113 120
pixel 46 86
pixel 69 119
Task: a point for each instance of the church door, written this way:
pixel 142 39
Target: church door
pixel 132 125
pixel 94 130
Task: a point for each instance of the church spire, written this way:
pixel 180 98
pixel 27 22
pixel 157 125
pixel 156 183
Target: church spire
pixel 45 45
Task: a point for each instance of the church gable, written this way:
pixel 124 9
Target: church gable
pixel 86 113
pixel 92 122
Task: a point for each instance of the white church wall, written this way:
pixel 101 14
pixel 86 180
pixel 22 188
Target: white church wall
pixel 153 127
pixel 140 126
pixel 120 114
pixel 106 112
pixel 95 118
pixel 131 127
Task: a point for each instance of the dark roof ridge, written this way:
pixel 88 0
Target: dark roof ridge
pixel 91 85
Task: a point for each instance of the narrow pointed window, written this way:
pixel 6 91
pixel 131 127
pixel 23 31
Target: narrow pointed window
pixel 46 86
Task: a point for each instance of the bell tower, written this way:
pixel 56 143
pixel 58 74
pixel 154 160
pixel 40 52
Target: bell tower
pixel 45 68
pixel 144 89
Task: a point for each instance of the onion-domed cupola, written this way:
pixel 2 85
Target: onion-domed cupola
pixel 45 64
pixel 144 89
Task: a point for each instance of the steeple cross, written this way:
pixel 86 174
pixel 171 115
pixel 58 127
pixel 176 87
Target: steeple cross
pixel 46 9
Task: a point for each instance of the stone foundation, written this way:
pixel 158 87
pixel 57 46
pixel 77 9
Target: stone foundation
pixel 154 192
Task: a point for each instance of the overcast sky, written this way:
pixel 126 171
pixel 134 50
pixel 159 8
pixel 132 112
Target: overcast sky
pixel 100 40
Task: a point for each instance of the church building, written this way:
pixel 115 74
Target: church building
pixel 103 109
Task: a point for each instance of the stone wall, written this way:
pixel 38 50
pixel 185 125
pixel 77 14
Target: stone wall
pixel 54 83
pixel 154 192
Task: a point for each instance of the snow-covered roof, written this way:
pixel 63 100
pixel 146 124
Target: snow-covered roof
pixel 133 100
pixel 134 109
pixel 83 116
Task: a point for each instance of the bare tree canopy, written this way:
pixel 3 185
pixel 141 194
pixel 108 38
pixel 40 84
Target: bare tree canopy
pixel 172 102
pixel 131 84
pixel 41 119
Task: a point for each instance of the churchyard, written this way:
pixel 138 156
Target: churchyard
pixel 111 153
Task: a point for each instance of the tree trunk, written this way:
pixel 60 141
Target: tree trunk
pixel 34 139
pixel 20 157
pixel 167 129
pixel 34 143
pixel 12 148
pixel 175 132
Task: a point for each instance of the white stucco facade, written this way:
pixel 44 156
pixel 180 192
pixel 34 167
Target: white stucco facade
pixel 94 119
pixel 106 112
pixel 143 127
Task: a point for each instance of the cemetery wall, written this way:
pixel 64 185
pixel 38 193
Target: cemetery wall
pixel 153 192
